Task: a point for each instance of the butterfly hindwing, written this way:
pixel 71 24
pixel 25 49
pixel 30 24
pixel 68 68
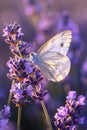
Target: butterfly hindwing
pixel 55 68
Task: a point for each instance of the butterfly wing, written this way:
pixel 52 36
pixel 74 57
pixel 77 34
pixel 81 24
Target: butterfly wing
pixel 55 66
pixel 52 59
pixel 59 43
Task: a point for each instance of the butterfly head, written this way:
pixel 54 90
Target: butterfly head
pixel 33 57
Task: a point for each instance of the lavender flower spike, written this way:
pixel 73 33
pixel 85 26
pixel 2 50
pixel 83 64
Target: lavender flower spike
pixel 20 68
pixel 68 117
pixel 13 33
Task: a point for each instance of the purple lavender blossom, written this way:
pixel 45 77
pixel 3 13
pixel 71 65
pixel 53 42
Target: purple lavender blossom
pixel 30 77
pixel 35 78
pixel 13 33
pixel 68 117
pixel 38 93
pixel 20 68
pixel 23 47
pixel 4 117
pixel 71 95
pixel 81 100
pixel 21 93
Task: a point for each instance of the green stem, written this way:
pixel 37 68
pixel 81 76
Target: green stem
pixel 46 115
pixel 10 95
pixel 19 119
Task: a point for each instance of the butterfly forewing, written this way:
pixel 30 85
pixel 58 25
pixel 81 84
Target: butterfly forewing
pixel 59 43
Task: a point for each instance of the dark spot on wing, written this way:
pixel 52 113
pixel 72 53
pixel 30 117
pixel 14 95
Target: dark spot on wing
pixel 62 44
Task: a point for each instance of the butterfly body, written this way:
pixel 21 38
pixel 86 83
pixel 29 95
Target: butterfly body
pixel 35 58
pixel 51 57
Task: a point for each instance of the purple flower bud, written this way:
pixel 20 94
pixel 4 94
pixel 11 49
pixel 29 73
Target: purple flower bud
pixel 81 100
pixel 13 33
pixel 62 112
pixel 71 95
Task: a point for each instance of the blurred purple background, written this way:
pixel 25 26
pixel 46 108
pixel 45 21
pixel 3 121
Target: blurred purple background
pixel 40 20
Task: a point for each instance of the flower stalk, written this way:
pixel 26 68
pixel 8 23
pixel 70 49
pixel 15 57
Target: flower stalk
pixel 10 95
pixel 19 118
pixel 46 115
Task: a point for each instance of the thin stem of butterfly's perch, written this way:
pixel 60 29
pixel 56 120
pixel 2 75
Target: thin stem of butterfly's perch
pixel 9 98
pixel 19 113
pixel 46 115
pixel 10 95
pixel 19 119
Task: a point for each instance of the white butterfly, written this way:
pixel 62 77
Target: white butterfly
pixel 51 57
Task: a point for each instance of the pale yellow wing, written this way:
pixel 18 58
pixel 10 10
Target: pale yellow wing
pixel 55 67
pixel 59 43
